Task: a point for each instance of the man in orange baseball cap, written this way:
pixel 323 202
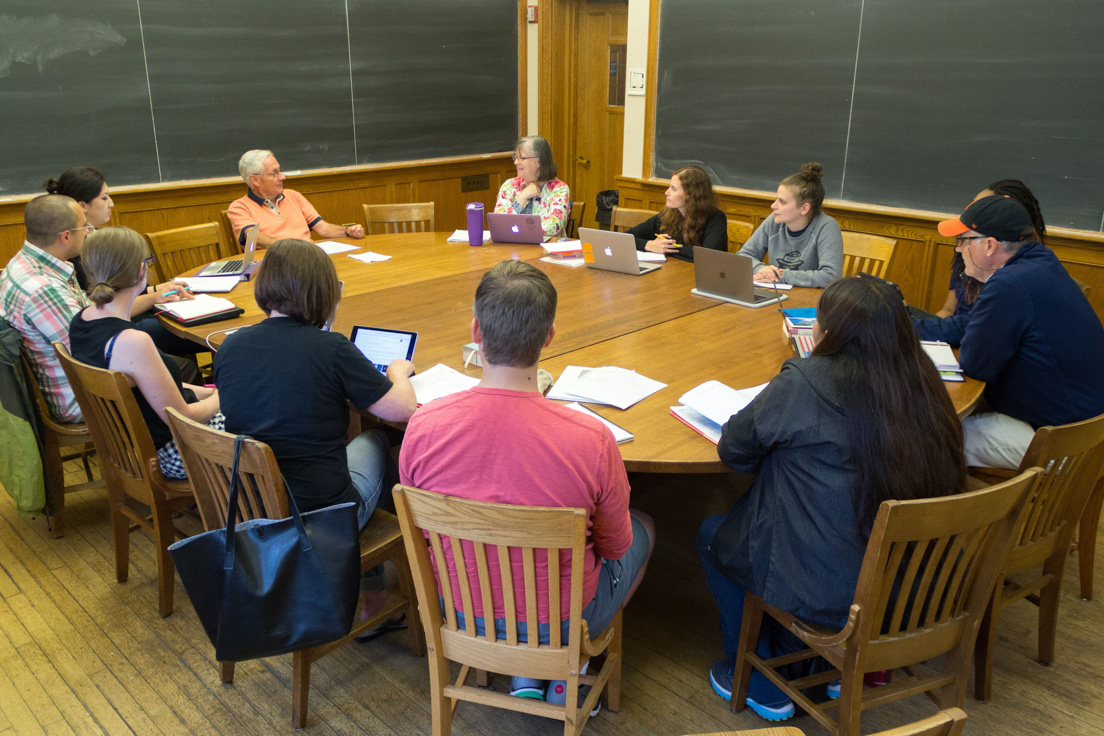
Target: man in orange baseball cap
pixel 1032 336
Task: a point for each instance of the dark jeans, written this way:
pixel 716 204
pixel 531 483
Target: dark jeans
pixel 729 598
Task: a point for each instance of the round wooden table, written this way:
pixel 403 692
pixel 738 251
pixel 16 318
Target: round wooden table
pixel 651 324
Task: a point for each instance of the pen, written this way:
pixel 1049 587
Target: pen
pixel 174 291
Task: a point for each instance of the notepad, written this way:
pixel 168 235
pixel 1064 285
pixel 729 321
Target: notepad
pixel 717 401
pixel 609 385
pixel 330 247
pixel 211 284
pixel 438 381
pixel 203 305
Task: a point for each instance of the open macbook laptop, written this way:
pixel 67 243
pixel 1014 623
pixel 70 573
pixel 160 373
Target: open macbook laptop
pixel 507 228
pixel 913 312
pixel 719 274
pixel 610 251
pixel 235 266
pixel 381 345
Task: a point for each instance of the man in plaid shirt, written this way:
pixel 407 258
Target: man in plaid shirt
pixel 39 295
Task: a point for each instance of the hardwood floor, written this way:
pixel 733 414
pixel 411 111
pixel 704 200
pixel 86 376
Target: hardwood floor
pixel 82 654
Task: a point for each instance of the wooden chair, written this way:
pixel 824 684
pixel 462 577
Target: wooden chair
pixel 128 462
pixel 869 253
pixel 57 436
pixel 623 218
pixel 1072 455
pixel 209 457
pixel 738 234
pixel 947 552
pixel 415 217
pixel 575 219
pixel 228 232
pixel 521 534
pixel 184 248
pixel 948 722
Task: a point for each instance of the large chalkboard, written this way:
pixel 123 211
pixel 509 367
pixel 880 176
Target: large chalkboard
pixel 906 103
pixel 162 90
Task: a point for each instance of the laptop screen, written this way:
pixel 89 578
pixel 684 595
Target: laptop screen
pixel 381 346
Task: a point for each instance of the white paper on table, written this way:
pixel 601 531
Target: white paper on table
pixel 331 246
pixel 201 306
pixel 461 236
pixel 370 257
pixel 620 434
pixel 717 402
pixel 563 246
pixel 438 381
pixel 606 385
pixel 703 424
pixel 643 256
pixel 570 262
pixel 211 284
pixel 941 354
pixel 770 285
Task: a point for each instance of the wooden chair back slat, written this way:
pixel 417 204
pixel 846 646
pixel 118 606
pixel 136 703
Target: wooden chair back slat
pixel 738 233
pixel 865 252
pixel 184 248
pixel 483 571
pixel 529 566
pixel 935 551
pixel 443 574
pixel 413 217
pixel 509 603
pixel 461 563
pixel 623 218
pixel 554 604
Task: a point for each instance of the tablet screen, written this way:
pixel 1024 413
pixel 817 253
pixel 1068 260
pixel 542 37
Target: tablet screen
pixel 381 346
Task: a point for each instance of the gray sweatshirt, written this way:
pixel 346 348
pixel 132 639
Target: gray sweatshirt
pixel 814 258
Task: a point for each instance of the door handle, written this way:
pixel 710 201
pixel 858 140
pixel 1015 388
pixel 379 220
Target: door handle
pixel 583 161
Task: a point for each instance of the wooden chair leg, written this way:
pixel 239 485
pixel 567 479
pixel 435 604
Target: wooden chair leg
pixel 120 528
pixel 749 638
pixel 163 536
pixel 1086 545
pixel 986 645
pixel 413 622
pixel 56 472
pixel 1048 606
pixel 613 659
pixel 226 672
pixel 300 688
pixel 481 678
pixel 850 701
pixel 440 706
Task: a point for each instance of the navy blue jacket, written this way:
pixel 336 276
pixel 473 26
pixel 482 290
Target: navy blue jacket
pixel 1033 338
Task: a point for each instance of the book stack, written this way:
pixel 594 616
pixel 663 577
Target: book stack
pixel 945 361
pixel 798 327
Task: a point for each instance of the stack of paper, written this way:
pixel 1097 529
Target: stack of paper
pixel 643 256
pixel 330 247
pixel 211 284
pixel 772 285
pixel 438 381
pixel 564 248
pixel 461 236
pixel 707 407
pixel 798 327
pixel 202 306
pixel 945 361
pixel 620 434
pixel 607 385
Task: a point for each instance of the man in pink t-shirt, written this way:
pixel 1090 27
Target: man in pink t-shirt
pixel 276 212
pixel 503 442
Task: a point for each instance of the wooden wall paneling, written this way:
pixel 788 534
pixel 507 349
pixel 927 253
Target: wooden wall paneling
pixel 650 90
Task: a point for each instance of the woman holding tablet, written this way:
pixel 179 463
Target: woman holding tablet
pixel 690 218
pixel 288 383
pixel 805 245
pixel 117 260
pixel 831 437
pixel 536 190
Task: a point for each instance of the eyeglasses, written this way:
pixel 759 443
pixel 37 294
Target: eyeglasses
pixel 149 260
pixel 86 228
pixel 961 239
pixel 523 158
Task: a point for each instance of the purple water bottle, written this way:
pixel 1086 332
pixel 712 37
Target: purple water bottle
pixel 475 223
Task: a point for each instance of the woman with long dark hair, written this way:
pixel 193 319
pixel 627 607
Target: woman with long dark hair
pixel 690 218
pixel 964 289
pixel 864 419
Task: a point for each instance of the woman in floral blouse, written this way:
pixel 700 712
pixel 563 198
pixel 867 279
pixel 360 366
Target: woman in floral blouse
pixel 536 190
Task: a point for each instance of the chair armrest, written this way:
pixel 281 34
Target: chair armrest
pixel 820 636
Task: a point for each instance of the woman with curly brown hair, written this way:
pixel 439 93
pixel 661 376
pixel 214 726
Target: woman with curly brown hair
pixel 805 245
pixel 690 218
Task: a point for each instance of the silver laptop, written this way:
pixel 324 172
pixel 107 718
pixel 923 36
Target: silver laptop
pixel 235 266
pixel 719 274
pixel 506 228
pixel 610 251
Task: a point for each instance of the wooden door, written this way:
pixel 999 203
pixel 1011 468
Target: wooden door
pixel 600 103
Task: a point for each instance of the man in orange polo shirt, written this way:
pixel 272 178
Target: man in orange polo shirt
pixel 277 212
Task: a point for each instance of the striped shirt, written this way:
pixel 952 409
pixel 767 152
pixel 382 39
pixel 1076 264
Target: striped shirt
pixel 39 296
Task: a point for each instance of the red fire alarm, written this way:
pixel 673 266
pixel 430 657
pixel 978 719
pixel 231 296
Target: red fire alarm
pixel 532 13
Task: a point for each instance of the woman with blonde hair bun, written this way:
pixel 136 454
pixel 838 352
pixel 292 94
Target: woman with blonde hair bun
pixel 805 245
pixel 117 261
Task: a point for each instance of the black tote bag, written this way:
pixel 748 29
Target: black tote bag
pixel 270 586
